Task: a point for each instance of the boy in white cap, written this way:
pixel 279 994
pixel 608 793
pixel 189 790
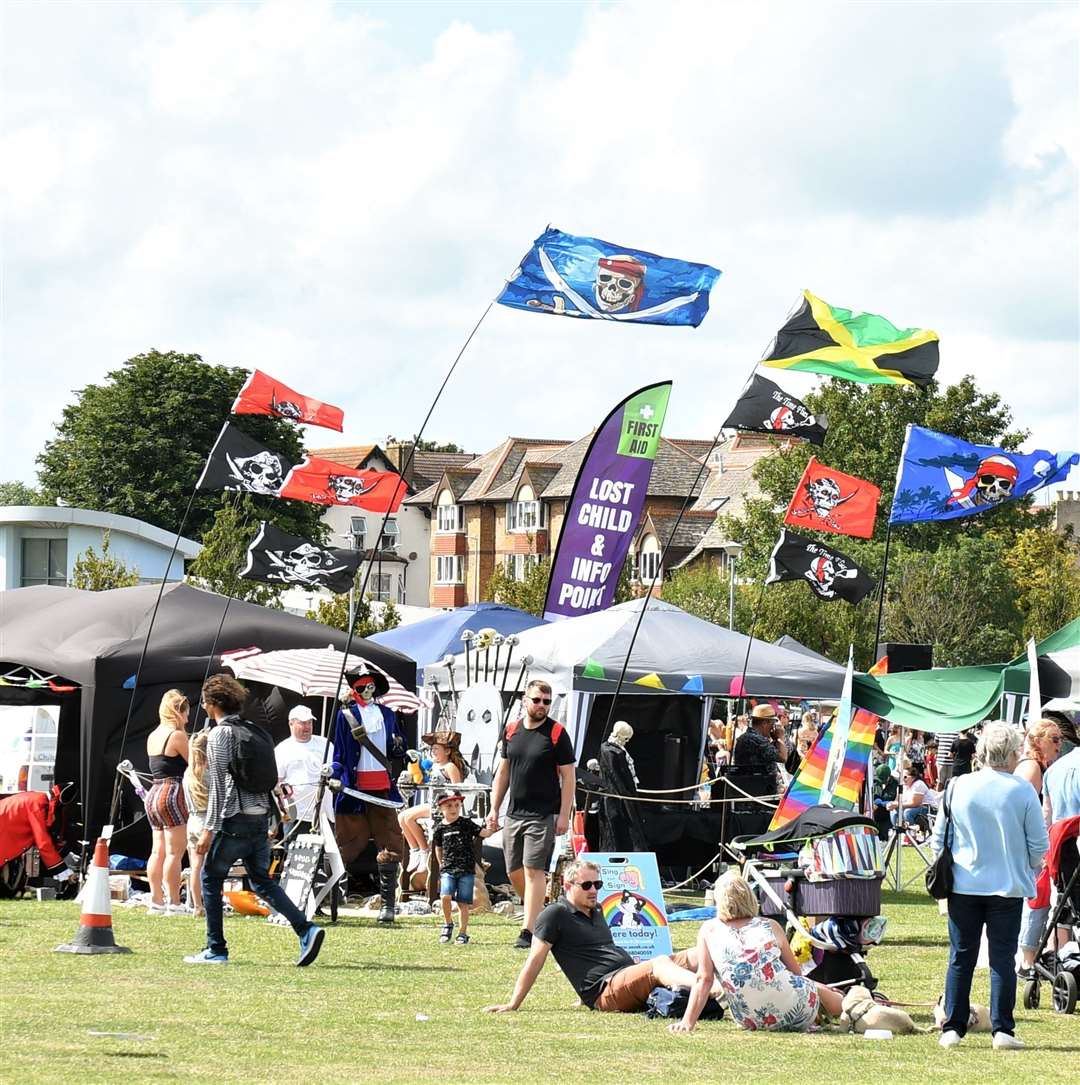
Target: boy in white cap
pixel 300 759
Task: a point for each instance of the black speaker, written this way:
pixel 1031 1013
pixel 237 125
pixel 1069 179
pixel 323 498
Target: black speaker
pixel 906 657
pixel 671 775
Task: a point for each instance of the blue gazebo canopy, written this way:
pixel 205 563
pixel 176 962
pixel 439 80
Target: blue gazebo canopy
pixel 433 638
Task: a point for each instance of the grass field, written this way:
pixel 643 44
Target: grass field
pixel 352 1017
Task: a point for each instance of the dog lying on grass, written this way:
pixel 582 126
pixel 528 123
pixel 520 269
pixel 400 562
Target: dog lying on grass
pixel 861 1012
pixel 978 1017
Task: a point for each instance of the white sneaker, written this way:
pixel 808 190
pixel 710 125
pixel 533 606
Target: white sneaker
pixel 950 1039
pixel 1004 1042
pixel 177 909
pixel 157 909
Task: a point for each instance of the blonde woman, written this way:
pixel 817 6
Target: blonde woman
pixel 166 810
pixel 197 795
pixel 751 958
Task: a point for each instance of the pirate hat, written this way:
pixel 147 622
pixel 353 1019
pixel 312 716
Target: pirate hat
pixel 382 683
pixel 442 738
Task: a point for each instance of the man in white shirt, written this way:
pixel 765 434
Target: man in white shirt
pixel 300 759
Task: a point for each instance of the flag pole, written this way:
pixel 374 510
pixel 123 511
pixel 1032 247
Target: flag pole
pixel 397 489
pixel 750 639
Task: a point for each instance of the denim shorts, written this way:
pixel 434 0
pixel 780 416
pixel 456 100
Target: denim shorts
pixel 457 887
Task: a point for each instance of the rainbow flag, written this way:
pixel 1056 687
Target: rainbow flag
pixel 833 771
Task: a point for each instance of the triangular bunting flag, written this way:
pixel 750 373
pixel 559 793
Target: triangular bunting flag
pixel 652 680
pixel 694 684
pixel 592 669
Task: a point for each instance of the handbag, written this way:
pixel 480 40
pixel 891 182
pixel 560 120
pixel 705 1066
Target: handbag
pixel 939 874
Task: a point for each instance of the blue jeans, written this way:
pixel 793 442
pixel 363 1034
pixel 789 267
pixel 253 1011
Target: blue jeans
pixel 459 887
pixel 967 917
pixel 242 838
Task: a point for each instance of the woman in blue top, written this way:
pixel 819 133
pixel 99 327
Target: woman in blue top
pixel 998 840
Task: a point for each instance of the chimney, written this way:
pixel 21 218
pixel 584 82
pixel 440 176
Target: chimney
pixel 398 452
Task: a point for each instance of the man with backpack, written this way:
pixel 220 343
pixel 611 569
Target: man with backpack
pixel 241 773
pixel 537 770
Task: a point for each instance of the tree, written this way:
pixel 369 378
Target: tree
pixel 136 443
pixel 217 567
pixel 428 446
pixel 866 432
pixel 529 594
pixel 1045 572
pixel 334 612
pixel 18 493
pixel 701 591
pixel 102 572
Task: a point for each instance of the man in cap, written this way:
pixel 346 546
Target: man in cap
pixel 300 760
pixel 762 746
pixel 370 754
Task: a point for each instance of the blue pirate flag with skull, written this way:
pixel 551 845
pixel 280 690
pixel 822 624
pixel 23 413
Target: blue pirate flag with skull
pixel 239 462
pixel 583 277
pixel 764 407
pixel 944 478
pixel 275 557
pixel 830 574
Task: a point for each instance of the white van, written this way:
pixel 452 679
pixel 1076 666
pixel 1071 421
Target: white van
pixel 27 747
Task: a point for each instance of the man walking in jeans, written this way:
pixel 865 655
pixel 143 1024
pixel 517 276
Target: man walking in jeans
pixel 236 826
pixel 537 769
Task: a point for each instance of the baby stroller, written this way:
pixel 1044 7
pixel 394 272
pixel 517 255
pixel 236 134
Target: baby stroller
pixel 1060 967
pixel 824 864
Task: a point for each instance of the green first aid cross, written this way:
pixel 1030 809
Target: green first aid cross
pixel 642 420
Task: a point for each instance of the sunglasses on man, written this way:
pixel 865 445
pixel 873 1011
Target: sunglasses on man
pixel 598 884
pixel 540 700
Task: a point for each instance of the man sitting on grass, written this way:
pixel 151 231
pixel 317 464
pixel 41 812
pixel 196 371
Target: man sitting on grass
pixel 605 977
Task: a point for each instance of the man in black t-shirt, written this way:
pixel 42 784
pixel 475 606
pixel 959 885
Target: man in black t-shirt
pixel 963 754
pixel 762 747
pixel 605 977
pixel 537 771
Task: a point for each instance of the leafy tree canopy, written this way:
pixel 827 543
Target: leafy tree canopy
pixel 18 493
pixel 334 612
pixel 102 572
pixel 136 443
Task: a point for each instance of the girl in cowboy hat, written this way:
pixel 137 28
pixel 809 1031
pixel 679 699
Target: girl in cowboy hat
pixel 448 768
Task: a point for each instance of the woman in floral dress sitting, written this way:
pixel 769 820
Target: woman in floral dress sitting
pixel 750 956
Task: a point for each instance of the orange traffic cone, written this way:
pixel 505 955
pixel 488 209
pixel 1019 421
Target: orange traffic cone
pixel 95 934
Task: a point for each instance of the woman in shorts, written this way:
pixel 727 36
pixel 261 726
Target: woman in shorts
pixel 166 810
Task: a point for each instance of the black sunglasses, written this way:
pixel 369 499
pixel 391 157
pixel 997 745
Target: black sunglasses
pixel 598 884
pixel 540 700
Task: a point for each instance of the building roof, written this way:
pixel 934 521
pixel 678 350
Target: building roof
pixel 428 467
pixel 348 456
pixel 686 535
pixel 60 516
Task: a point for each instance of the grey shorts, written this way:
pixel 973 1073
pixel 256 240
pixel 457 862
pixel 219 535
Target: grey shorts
pixel 528 843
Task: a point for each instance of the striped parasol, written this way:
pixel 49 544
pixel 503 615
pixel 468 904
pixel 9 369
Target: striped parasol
pixel 312 672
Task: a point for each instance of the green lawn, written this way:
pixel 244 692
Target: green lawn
pixel 353 1015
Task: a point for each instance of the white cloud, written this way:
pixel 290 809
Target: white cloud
pixel 281 185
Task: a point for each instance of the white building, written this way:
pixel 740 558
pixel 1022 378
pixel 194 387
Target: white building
pixel 39 544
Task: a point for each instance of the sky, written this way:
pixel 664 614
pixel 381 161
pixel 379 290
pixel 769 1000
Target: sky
pixel 334 192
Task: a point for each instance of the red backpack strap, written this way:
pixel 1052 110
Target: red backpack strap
pixel 556 733
pixel 511 727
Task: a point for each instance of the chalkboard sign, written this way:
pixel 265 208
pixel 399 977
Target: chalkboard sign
pixel 302 863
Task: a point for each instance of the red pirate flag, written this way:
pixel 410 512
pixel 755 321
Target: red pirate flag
pixel 323 482
pixel 264 395
pixel 829 500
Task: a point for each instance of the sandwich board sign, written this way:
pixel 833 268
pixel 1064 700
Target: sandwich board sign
pixel 632 902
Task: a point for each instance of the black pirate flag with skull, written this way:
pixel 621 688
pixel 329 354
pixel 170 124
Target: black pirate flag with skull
pixel 275 557
pixel 238 462
pixel 830 574
pixel 764 407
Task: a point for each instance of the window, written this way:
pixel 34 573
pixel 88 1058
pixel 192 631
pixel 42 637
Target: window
pixel 450 519
pixel 380 586
pixel 358 532
pixel 389 540
pixel 526 515
pixel 518 565
pixel 448 569
pixel 44 561
pixel 648 566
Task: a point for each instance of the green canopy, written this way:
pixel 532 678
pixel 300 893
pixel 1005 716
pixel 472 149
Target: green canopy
pixel 955 698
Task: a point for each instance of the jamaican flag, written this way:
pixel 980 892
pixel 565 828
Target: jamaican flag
pixel 823 338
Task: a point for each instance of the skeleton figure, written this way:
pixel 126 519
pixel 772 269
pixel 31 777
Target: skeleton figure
pixel 306 564
pixel 620 283
pixel 260 474
pixel 993 482
pixel 823 572
pixel 821 498
pixel 347 488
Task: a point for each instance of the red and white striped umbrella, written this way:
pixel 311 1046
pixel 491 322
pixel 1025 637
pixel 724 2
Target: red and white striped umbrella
pixel 312 672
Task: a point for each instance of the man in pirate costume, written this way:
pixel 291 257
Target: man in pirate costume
pixel 369 753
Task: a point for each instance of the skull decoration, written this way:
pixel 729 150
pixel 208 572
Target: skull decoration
pixel 823 495
pixel 821 574
pixel 620 283
pixel 260 474
pixel 308 564
pixel 783 418
pixel 289 410
pixel 994 481
pixel 347 488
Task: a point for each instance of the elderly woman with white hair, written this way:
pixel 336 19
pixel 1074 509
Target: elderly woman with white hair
pixel 998 839
pixel 751 957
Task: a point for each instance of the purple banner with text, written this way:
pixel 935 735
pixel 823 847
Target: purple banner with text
pixel 605 505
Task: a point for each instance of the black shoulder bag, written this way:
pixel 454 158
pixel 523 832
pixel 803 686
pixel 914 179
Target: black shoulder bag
pixel 939 874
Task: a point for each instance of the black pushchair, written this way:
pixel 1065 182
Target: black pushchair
pixel 1060 967
pixel 826 864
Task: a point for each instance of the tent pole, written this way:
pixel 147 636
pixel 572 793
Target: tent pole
pixel 210 658
pixel 881 596
pixel 401 482
pixel 750 641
